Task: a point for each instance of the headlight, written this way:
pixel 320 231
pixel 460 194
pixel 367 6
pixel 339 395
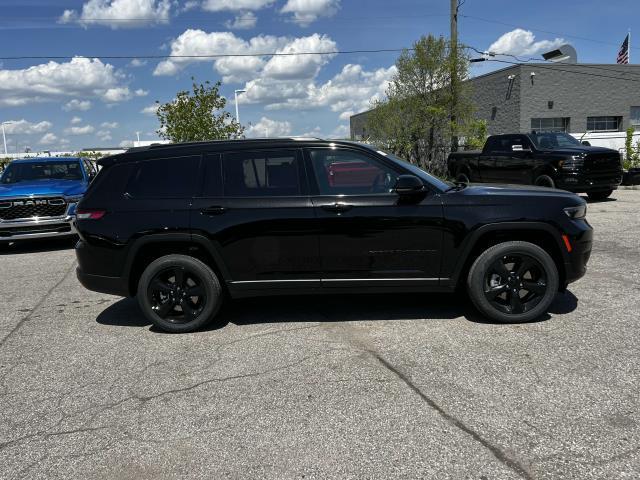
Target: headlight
pixel 576 213
pixel 573 162
pixel 74 199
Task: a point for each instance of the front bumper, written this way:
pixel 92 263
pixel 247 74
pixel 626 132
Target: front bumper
pixel 585 182
pixel 36 228
pixel 575 264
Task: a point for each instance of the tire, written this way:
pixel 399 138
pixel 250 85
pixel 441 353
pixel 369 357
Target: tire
pixel 487 280
pixel 163 292
pixel 545 181
pixel 462 177
pixel 599 195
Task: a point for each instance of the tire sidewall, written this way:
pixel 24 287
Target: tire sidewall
pixel 210 283
pixel 475 281
pixel 545 181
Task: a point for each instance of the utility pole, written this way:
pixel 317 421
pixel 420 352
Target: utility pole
pixel 4 138
pixel 237 109
pixel 454 71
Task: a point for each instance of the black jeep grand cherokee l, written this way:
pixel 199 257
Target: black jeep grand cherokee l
pixel 182 226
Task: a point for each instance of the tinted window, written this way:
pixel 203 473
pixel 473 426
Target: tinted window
pixel 212 176
pixel 345 172
pixel 508 143
pixel 603 124
pixel 24 172
pixel 261 174
pixel 164 178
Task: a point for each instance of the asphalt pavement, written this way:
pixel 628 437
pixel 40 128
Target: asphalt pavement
pixel 397 386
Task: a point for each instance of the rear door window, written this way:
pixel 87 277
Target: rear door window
pixel 174 177
pixel 261 174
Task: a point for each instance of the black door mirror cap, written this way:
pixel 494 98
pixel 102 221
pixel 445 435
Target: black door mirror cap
pixel 409 185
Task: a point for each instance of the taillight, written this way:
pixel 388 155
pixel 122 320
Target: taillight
pixel 90 214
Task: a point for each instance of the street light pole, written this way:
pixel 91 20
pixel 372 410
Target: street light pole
pixel 237 109
pixel 4 138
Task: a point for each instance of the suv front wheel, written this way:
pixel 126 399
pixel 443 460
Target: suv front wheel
pixel 179 293
pixel 513 282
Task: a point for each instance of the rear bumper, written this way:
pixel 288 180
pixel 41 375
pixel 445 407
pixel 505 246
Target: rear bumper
pixel 581 182
pixel 102 284
pixel 36 228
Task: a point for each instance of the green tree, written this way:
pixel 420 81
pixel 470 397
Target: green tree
pixel 414 120
pixel 632 157
pixel 198 115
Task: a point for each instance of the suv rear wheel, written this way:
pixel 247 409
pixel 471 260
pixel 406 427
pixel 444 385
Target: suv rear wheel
pixel 179 293
pixel 513 282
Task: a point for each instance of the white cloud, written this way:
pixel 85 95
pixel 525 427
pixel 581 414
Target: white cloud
pixel 104 135
pixel 522 42
pixel 136 63
pixel 120 13
pixel 76 104
pixel 341 131
pixel 235 5
pixel 75 120
pixel 308 11
pixel 25 127
pixel 150 110
pixel 118 94
pixel 351 90
pixel 244 21
pixel 238 69
pixel 48 139
pixel 267 127
pixel 84 130
pixel 79 77
pixel 109 125
pixel 301 66
pixel 141 93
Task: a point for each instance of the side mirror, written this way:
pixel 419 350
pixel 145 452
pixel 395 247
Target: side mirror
pixel 586 144
pixel 408 185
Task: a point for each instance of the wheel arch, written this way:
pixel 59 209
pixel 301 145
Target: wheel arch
pixel 537 233
pixel 150 247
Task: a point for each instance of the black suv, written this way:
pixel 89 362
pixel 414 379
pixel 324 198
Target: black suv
pixel 182 226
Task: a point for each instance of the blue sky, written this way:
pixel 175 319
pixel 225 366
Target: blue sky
pixel 72 104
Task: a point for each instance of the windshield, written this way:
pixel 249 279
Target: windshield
pixel 25 172
pixel 553 140
pixel 417 171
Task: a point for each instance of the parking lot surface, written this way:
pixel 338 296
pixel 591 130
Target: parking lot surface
pixel 409 386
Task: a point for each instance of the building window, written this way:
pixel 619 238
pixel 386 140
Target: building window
pixel 635 117
pixel 603 124
pixel 553 124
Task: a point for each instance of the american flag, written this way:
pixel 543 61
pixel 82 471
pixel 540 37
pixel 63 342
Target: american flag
pixel 623 54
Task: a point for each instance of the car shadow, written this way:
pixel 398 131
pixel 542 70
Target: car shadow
pixel 332 308
pixel 604 200
pixel 38 245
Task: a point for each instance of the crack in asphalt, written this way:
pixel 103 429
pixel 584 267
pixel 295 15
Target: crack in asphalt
pixel 498 453
pixel 38 305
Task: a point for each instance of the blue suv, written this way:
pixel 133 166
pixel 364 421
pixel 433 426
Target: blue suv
pixel 38 196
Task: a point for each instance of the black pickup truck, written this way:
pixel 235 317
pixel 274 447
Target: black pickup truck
pixel 549 159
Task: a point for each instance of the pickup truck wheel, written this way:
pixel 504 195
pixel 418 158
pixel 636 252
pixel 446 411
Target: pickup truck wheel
pixel 599 195
pixel 179 293
pixel 462 177
pixel 513 282
pixel 545 181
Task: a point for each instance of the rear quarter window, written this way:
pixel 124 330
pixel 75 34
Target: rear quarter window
pixel 109 185
pixel 174 177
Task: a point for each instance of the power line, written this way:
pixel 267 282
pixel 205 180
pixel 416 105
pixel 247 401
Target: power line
pixel 543 31
pixel 217 55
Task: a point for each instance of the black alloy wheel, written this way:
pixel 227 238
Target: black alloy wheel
pixel 176 295
pixel 179 293
pixel 515 284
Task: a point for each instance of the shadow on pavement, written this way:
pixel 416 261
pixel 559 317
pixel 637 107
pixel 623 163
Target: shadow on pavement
pixel 332 308
pixel 604 200
pixel 38 245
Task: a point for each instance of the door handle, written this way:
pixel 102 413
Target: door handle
pixel 337 207
pixel 213 210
